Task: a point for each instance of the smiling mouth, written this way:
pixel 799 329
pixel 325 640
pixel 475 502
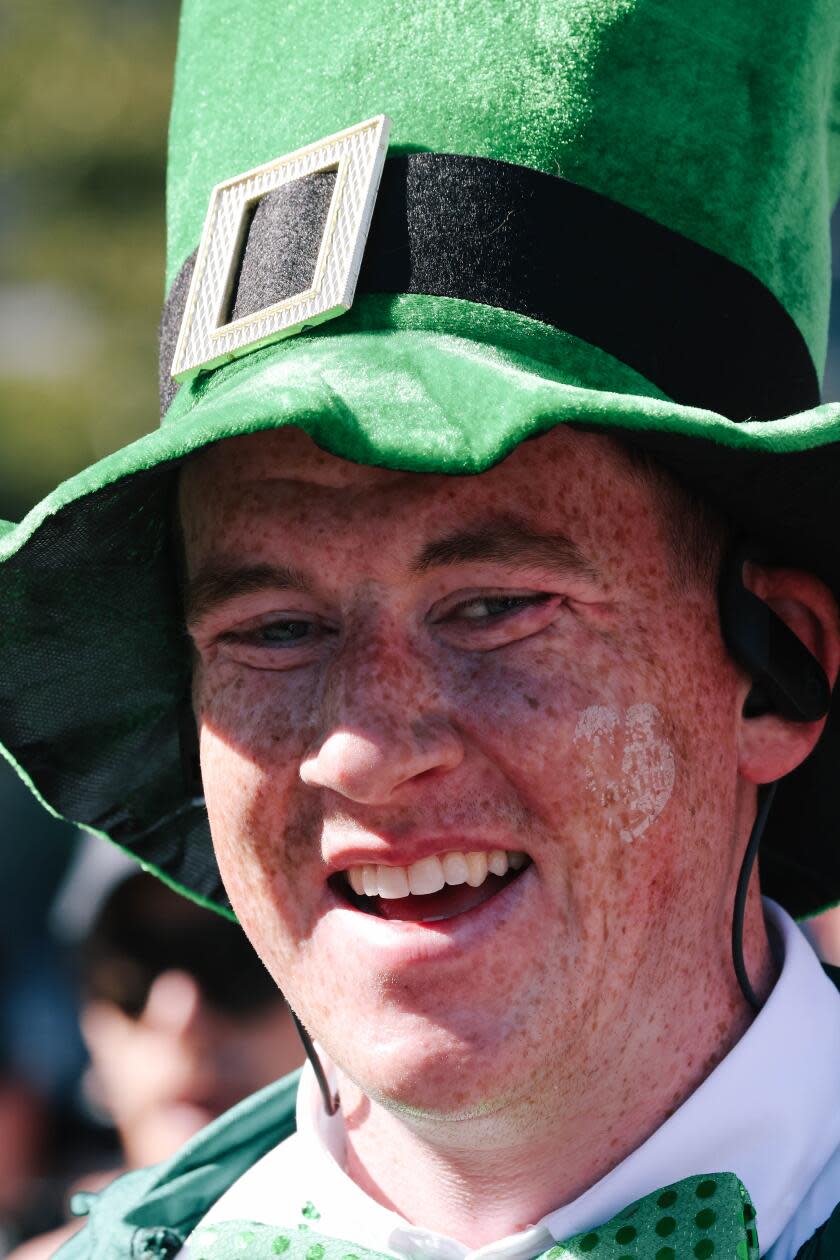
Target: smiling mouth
pixel 431 890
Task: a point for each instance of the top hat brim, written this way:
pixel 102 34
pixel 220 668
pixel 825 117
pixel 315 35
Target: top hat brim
pixel 94 660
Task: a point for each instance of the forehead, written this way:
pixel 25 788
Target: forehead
pixel 281 480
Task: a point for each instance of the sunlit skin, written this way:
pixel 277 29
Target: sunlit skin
pixel 369 690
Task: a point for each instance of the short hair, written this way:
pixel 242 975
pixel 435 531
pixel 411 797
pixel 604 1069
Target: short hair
pixel 696 531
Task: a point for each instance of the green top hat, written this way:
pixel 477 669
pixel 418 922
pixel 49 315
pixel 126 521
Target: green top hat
pixel 610 213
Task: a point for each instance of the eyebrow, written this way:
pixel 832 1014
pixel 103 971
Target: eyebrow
pixel 219 582
pixel 511 543
pixel 507 542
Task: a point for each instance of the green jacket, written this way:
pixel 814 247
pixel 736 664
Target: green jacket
pixel 147 1215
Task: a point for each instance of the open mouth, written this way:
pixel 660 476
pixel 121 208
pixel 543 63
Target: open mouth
pixel 433 889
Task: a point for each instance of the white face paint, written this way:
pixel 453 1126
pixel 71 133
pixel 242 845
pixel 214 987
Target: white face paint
pixel 632 767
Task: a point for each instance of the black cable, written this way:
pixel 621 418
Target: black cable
pixel 765 800
pixel 331 1100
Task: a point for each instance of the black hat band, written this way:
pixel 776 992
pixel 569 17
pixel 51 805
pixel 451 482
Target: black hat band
pixel 704 330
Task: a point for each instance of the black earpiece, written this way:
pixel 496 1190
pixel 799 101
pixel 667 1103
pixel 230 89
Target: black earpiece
pixel 788 679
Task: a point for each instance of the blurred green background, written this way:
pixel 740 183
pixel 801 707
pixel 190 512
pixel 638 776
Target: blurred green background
pixel 84 99
pixel 84 94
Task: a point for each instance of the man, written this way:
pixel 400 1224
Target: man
pixel 482 726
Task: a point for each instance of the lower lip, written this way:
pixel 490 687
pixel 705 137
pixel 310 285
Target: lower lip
pixel 400 940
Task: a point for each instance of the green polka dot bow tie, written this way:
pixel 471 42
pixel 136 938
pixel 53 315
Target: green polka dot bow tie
pixel 695 1219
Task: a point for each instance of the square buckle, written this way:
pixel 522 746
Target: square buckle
pixel 209 336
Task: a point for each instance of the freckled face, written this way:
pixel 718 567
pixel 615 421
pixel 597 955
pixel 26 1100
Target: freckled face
pixel 391 666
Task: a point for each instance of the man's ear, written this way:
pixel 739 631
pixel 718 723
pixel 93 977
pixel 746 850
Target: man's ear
pixel 770 746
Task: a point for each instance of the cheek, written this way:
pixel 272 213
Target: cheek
pixel 267 715
pixel 265 830
pixel 255 726
pixel 702 692
pixel 619 745
pixel 266 838
pixel 526 697
pixel 659 774
pixel 553 717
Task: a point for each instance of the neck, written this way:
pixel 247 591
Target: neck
pixel 481 1178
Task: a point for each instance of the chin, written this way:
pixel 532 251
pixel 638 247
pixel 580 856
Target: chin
pixel 430 1071
pixel 449 1096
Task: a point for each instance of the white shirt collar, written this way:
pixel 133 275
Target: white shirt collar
pixel 769 1112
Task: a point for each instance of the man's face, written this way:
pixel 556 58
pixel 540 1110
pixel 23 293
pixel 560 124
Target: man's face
pixel 392 668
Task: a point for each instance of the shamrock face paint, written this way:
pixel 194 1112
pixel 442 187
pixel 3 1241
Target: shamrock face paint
pixel 632 767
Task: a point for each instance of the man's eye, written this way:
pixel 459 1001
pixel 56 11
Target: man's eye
pixel 282 632
pixel 489 607
pixel 279 633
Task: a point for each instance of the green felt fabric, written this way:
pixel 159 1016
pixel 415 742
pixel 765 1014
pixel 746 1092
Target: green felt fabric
pixel 386 385
pixel 720 121
pixel 142 1213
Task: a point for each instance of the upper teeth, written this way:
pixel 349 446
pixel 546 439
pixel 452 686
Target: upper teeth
pixel 430 874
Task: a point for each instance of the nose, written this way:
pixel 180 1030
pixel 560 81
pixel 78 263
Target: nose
pixel 370 766
pixel 383 730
